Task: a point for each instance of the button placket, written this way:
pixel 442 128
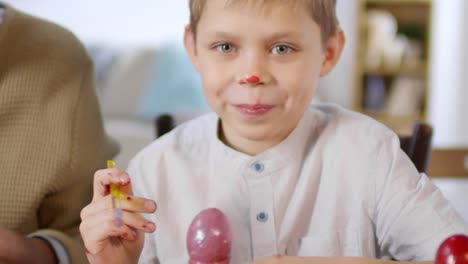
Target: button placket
pixel 262 224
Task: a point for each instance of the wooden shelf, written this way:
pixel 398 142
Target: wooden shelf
pixel 405 12
pixel 413 19
pixel 419 71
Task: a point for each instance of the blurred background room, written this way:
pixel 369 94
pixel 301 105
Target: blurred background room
pixel 405 61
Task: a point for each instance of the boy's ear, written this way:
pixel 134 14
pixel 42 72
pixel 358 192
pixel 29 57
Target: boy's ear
pixel 332 52
pixel 190 46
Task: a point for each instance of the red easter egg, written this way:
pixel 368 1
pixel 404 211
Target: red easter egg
pixel 209 238
pixel 454 250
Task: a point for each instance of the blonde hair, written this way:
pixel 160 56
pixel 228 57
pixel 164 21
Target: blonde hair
pixel 323 12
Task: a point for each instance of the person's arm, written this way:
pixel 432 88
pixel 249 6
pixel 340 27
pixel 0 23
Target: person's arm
pixel 53 245
pixel 16 248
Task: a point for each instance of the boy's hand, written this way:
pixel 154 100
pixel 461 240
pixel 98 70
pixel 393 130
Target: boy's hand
pixel 105 241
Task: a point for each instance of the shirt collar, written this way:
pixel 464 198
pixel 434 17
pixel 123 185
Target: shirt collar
pixel 291 149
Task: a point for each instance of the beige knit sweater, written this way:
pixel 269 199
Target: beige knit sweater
pixel 51 133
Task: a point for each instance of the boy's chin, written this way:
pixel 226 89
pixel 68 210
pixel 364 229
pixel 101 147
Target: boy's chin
pixel 266 133
pixel 261 135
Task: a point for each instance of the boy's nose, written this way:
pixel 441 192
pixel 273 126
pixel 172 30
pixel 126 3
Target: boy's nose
pixel 254 80
pixel 254 72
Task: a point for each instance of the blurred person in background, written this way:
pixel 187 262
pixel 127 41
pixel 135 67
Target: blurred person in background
pixel 51 140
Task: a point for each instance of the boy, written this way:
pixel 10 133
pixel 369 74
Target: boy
pixel 292 181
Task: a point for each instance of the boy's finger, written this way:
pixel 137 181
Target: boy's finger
pixel 138 222
pixel 126 188
pixel 103 179
pixel 128 203
pixel 137 204
pixel 105 219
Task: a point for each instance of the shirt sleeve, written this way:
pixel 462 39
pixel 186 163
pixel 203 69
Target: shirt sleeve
pixel 57 247
pixel 412 217
pixel 2 11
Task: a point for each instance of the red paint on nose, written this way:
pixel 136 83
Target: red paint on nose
pixel 253 79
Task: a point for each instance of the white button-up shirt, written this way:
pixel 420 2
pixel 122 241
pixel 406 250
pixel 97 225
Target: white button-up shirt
pixel 338 185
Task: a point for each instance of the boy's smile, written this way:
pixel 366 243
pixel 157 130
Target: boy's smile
pixel 253 111
pixel 280 45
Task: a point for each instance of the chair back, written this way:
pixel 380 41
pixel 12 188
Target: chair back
pixel 418 145
pixel 164 123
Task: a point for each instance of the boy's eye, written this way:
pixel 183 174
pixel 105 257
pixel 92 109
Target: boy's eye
pixel 281 50
pixel 225 48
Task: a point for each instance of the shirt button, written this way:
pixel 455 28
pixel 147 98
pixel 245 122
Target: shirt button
pixel 262 217
pixel 258 167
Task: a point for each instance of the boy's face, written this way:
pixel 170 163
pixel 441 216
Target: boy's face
pixel 281 46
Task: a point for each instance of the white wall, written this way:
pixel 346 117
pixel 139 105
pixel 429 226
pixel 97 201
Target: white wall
pixel 114 22
pixel 448 99
pixel 339 84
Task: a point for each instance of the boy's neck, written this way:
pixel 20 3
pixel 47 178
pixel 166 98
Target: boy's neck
pixel 249 147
